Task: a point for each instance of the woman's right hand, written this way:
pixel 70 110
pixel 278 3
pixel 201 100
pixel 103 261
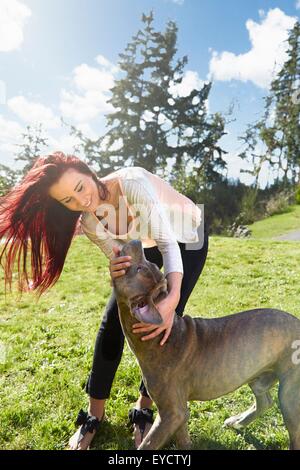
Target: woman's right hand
pixel 118 265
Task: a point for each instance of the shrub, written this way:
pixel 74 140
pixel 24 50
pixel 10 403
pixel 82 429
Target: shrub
pixel 279 203
pixel 297 195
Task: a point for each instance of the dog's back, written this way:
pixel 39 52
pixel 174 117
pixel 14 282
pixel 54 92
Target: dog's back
pixel 231 350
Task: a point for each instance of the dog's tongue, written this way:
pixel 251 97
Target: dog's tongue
pixel 141 314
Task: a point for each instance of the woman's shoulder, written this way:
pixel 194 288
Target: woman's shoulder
pixel 132 172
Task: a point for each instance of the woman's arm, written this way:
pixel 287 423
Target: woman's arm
pixel 174 281
pixel 141 195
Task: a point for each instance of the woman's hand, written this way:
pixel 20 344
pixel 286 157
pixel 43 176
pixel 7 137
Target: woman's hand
pixel 166 308
pixel 118 265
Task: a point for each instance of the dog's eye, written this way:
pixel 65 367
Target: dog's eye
pixel 139 268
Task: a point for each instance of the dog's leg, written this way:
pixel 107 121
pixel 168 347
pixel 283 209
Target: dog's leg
pixel 263 401
pixel 289 400
pixel 182 438
pixel 165 425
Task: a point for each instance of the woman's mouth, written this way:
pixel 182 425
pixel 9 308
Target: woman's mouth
pixel 89 203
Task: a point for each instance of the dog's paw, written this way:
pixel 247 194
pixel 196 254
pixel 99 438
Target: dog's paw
pixel 233 422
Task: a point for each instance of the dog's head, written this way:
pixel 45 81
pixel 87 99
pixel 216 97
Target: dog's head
pixel 142 285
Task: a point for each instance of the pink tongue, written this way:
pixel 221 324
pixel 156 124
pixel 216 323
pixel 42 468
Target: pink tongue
pixel 142 314
pixel 143 309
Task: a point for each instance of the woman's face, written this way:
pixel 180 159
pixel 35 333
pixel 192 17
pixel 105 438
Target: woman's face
pixel 76 191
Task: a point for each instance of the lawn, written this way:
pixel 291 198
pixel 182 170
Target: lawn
pixel 49 348
pixel 277 225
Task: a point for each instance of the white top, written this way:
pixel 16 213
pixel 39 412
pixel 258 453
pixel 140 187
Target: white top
pixel 161 217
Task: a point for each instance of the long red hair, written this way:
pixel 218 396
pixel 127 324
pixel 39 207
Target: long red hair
pixel 31 219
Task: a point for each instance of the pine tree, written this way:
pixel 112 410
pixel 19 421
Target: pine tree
pixel 275 138
pixel 285 135
pixel 152 124
pixel 8 179
pixel 198 134
pixel 33 141
pixel 141 99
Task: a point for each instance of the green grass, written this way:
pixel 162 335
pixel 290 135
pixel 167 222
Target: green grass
pixel 50 345
pixel 277 225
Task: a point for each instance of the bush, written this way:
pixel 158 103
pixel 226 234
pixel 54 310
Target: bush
pixel 297 195
pixel 249 212
pixel 279 203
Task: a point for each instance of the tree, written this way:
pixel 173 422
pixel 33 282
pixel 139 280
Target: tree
pixel 152 125
pixel 198 135
pixel 275 138
pixel 136 136
pixel 33 142
pixel 8 179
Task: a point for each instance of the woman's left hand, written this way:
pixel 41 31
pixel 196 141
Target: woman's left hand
pixel 166 308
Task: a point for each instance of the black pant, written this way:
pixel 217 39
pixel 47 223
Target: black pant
pixel 110 339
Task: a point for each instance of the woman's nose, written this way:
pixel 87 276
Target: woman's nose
pixel 83 200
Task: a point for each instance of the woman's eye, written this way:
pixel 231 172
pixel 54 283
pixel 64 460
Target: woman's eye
pixel 80 189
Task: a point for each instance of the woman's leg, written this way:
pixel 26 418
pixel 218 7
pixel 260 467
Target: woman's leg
pixel 107 355
pixel 193 263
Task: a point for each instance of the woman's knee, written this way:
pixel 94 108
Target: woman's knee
pixel 110 337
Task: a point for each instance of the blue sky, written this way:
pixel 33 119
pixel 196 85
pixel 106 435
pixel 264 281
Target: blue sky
pixel 60 59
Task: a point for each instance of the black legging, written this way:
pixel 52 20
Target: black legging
pixel 110 339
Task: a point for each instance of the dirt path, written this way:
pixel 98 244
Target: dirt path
pixel 290 236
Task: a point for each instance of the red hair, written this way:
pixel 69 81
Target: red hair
pixel 30 218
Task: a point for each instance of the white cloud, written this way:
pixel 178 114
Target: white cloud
pixel 297 5
pixel 88 78
pixel 266 56
pixel 13 17
pixel 84 100
pixel 101 60
pixel 63 143
pixel 178 2
pixel 87 130
pixel 32 112
pixel 190 81
pixel 9 131
pixel 91 91
pixel 10 136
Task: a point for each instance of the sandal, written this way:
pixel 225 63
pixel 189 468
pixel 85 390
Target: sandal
pixel 140 418
pixel 88 423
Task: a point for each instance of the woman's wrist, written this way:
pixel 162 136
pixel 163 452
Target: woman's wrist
pixel 174 280
pixel 174 296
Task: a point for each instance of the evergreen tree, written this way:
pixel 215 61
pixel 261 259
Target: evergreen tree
pixel 92 151
pixel 140 99
pixel 30 149
pixel 276 137
pixel 283 138
pixel 32 142
pixel 198 134
pixel 8 179
pixel 151 124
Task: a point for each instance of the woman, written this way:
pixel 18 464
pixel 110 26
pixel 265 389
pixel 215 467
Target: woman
pixel 45 207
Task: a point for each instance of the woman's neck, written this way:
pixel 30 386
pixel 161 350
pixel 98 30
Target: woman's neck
pixel 113 187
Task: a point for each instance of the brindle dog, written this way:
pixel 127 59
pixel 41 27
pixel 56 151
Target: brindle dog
pixel 204 359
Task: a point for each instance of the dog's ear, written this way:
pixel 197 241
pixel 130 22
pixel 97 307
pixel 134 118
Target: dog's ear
pixel 148 313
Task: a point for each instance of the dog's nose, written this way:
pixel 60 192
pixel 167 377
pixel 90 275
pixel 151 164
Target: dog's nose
pixel 136 243
pixel 132 247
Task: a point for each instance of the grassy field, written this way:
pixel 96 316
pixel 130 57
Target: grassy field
pixel 49 348
pixel 277 225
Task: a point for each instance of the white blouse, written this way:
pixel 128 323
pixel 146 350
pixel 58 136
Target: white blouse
pixel 161 217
